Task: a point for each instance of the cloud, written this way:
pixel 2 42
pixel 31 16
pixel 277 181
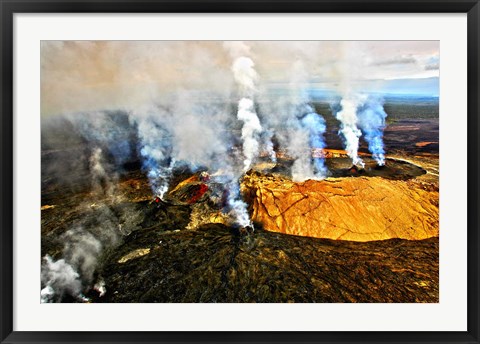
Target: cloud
pixel 432 63
pixel 404 59
pixel 433 66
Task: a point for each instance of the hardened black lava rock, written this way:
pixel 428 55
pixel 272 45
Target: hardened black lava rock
pixel 220 264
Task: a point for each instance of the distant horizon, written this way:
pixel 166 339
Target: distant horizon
pixel 415 87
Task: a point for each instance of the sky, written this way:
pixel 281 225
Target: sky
pixel 98 75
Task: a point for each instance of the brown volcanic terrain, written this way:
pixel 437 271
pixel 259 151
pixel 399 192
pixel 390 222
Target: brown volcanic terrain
pixel 216 263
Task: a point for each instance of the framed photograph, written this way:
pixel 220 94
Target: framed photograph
pixel 239 172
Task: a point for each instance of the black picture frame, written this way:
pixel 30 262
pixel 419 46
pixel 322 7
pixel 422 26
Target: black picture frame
pixel 10 7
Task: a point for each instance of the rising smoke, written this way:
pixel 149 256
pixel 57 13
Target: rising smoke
pixel 155 149
pixel 298 128
pixel 60 279
pixel 246 78
pixel 371 119
pixel 316 127
pixel 362 114
pixel 245 75
pixel 250 131
pixel 348 127
pixel 100 227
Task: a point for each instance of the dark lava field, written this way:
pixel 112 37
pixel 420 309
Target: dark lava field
pixel 220 264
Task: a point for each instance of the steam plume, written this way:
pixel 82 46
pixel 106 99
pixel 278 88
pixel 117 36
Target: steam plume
pixel 250 131
pixel 316 127
pixel 100 181
pixel 76 272
pixel 245 75
pixel 199 131
pixel 372 123
pixel 306 145
pixel 362 114
pixel 267 136
pixel 238 206
pixel 60 279
pixel 348 127
pixel 155 148
pixel 298 128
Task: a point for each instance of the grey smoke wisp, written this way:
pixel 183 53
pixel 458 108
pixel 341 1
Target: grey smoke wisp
pixel 347 115
pixel 371 119
pixel 155 149
pixel 246 78
pixel 99 228
pixel 361 114
pixel 298 128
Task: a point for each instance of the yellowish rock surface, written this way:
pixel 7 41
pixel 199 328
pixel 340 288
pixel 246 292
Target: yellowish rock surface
pixel 134 254
pixel 357 209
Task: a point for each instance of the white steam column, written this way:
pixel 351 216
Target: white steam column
pixel 362 114
pixel 246 76
pixel 348 127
